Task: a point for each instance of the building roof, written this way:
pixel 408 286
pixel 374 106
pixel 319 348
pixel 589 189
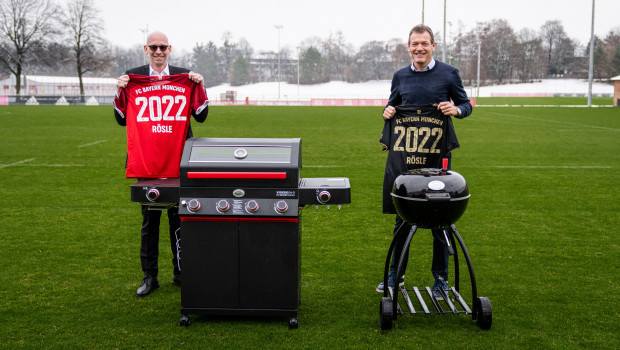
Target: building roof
pixel 48 79
pixel 70 80
pixel 617 77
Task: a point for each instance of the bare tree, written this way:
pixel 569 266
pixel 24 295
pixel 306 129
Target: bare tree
pixel 399 54
pixel 464 52
pixel 337 54
pixel 24 27
pixel 206 61
pixel 529 60
pixel 374 59
pixel 559 48
pixel 127 58
pixel 607 63
pixel 89 52
pixel 313 65
pixel 227 53
pixel 500 47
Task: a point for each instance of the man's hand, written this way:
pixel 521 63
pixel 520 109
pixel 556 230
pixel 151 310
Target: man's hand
pixel 448 108
pixel 389 112
pixel 122 81
pixel 196 78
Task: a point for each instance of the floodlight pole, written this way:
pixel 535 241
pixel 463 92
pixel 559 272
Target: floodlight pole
pixel 478 73
pixel 145 31
pixel 443 52
pixel 278 27
pixel 591 68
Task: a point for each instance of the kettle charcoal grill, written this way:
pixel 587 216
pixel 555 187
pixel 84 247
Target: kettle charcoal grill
pixel 433 199
pixel 239 204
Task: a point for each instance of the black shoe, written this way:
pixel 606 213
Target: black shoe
pixel 176 280
pixel 149 284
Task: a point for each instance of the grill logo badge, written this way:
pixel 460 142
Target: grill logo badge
pixel 238 193
pixel 241 153
pixel 284 193
pixel 436 185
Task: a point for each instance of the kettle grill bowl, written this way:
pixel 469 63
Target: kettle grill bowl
pixel 430 198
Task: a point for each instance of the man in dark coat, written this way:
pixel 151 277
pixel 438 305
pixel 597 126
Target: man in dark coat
pixel 158 49
pixel 426 82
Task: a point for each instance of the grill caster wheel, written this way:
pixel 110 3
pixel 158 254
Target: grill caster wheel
pixel 184 321
pixel 483 313
pixel 385 313
pixel 293 323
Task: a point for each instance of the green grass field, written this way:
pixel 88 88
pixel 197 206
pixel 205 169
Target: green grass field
pixel 541 228
pixel 553 101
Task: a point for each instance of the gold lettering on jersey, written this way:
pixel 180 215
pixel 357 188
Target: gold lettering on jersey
pixel 413 160
pixel 404 120
pixel 427 134
pixel 413 139
pixel 432 120
pixel 419 140
pixel 397 145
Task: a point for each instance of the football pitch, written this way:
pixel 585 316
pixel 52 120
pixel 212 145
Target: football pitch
pixel 541 228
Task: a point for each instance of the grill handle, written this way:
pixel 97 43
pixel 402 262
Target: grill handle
pixel 438 197
pixel 444 166
pixel 253 175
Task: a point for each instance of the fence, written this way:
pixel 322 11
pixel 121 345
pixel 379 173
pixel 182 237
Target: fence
pixel 62 100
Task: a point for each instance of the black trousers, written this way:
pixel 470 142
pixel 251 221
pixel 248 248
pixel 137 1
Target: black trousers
pixel 441 257
pixel 149 244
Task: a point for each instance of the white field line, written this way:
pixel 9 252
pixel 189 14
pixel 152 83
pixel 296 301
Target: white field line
pixel 322 166
pixel 570 106
pixel 551 166
pixel 91 144
pixel 54 165
pixel 556 121
pixel 17 163
pixel 22 163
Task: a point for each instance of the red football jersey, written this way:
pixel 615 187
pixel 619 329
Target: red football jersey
pixel 158 112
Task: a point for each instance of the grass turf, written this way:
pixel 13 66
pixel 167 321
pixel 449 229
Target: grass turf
pixel 552 101
pixel 541 228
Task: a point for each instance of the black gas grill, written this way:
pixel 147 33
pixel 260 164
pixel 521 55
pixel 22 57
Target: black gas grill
pixel 239 203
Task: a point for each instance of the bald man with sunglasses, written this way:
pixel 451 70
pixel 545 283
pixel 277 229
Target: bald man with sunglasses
pixel 158 49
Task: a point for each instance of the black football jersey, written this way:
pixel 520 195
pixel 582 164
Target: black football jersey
pixel 416 137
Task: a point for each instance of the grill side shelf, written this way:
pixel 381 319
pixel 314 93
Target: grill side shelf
pixel 324 191
pixel 156 191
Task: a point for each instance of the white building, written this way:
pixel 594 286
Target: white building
pixel 616 81
pixel 40 85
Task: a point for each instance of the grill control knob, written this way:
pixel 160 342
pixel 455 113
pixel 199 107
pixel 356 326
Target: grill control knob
pixel 251 206
pixel 223 206
pixel 281 207
pixel 193 205
pixel 152 194
pixel 324 196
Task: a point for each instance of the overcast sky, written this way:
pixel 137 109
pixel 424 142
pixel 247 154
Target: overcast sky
pixel 187 22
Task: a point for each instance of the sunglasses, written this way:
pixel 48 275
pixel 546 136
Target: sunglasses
pixel 161 47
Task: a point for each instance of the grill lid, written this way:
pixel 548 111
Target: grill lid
pixel 430 183
pixel 223 162
pixel 430 198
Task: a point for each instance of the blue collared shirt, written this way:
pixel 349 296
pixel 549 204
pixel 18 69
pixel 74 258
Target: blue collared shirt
pixel 430 66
